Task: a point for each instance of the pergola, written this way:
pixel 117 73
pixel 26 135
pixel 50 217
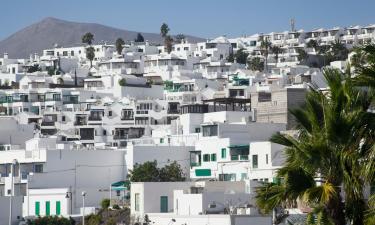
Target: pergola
pixel 241 102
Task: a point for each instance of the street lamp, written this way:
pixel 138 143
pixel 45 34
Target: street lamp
pixel 83 207
pixel 14 162
pixel 69 195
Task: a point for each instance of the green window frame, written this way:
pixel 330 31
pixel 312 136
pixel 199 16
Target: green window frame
pixel 58 208
pixel 213 157
pixel 255 161
pixel 37 208
pixel 48 208
pixel 206 157
pixel 223 153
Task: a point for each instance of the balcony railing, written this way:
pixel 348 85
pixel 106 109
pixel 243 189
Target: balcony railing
pixel 239 157
pixel 95 118
pixel 194 164
pixel 48 123
pixel 127 118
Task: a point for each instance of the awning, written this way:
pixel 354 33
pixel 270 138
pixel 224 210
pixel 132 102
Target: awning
pixel 120 186
pixel 238 146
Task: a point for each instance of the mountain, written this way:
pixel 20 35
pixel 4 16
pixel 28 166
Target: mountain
pixel 50 31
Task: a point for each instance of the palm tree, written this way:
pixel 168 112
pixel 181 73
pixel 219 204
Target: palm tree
pixel 164 29
pixel 276 50
pixel 365 71
pixel 90 54
pixel 313 44
pixel 334 147
pixel 339 50
pixel 88 38
pixel 265 47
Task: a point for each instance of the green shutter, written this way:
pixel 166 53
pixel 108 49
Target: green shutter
pixel 213 157
pixel 163 204
pixel 223 153
pixel 37 208
pixel 206 157
pixel 48 208
pixel 202 172
pixel 58 208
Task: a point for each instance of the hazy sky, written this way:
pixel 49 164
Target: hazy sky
pixel 204 18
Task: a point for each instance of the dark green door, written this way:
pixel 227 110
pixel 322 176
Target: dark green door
pixel 163 204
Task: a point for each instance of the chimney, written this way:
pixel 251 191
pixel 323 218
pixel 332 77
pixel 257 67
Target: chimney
pixel 5 55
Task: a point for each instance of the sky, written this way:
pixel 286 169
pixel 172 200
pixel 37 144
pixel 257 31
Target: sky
pixel 203 18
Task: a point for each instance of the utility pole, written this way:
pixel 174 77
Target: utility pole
pixel 14 162
pixel 83 207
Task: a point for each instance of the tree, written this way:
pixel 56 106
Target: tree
pixel 339 50
pixel 146 172
pixel 265 47
pixel 365 66
pixel 139 38
pixel 88 38
pixel 180 38
pixel 302 55
pixel 55 220
pixel 122 82
pixel 276 50
pixel 164 29
pixel 241 56
pixel 168 42
pixel 149 172
pixel 34 68
pixel 230 57
pixel 334 145
pixel 313 44
pixel 172 173
pixel 105 203
pixel 119 45
pixel 90 54
pixel 256 64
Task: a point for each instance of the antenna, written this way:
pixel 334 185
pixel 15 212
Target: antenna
pixel 292 24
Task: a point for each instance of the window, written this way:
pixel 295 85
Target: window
pixel 37 208
pixel 163 204
pixel 161 140
pixel 63 118
pixel 210 130
pixel 223 153
pixel 58 208
pixel 72 53
pixel 104 132
pixel 206 157
pixel 48 208
pixel 213 157
pixel 266 158
pixel 109 113
pixel 136 201
pixel 197 130
pixel 255 161
pixel 38 168
pixel 243 176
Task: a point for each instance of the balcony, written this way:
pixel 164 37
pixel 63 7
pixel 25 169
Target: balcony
pixel 239 157
pixel 95 118
pixel 127 118
pixel 195 164
pixel 48 123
